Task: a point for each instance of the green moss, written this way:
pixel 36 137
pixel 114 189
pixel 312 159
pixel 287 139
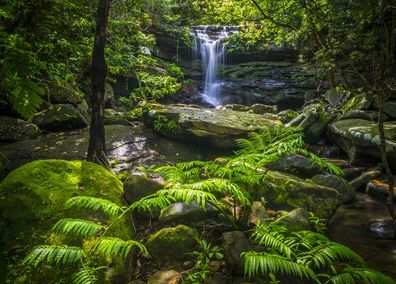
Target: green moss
pixel 32 199
pixel 172 243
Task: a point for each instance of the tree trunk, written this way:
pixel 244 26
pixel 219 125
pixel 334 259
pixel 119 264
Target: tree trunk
pixel 97 145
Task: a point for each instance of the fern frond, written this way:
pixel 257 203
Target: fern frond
pixel 111 247
pixel 94 203
pixel 352 275
pixel 77 227
pixel 150 202
pixel 187 195
pixel 85 275
pixel 53 254
pixel 265 263
pixel 171 173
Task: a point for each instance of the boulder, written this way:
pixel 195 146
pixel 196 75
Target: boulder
pixel 314 126
pixel 296 220
pixel 237 107
pixel 32 199
pixel 65 95
pixel 217 127
pixel 187 213
pixel 379 188
pixel 360 140
pixel 360 102
pixel 285 192
pixel 261 109
pixel 235 243
pixel 138 186
pixel 360 114
pixel 61 117
pixel 296 165
pixel 258 213
pixel 13 129
pixel 113 117
pixel 361 181
pixel 347 193
pixel 171 244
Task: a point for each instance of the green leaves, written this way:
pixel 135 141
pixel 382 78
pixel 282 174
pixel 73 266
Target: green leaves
pixel 86 275
pixel 93 203
pixel 54 255
pixel 112 247
pixel 78 227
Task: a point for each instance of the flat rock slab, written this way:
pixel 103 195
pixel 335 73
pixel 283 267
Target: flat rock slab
pixel 217 127
pixel 360 140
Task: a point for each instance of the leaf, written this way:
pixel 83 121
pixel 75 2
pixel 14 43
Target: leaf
pixel 53 254
pixel 94 203
pixel 77 227
pixel 111 247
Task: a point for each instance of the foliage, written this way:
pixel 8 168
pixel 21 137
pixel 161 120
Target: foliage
pixel 161 122
pixel 306 255
pixel 201 270
pixel 85 258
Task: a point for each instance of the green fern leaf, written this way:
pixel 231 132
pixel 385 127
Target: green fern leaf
pixel 85 275
pixel 111 247
pixel 94 203
pixel 352 275
pixel 77 227
pixel 53 254
pixel 150 202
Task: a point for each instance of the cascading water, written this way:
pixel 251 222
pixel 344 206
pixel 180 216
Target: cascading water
pixel 208 40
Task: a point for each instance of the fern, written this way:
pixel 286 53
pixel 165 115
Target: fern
pixel 93 203
pixel 152 201
pixel 352 275
pixel 266 263
pixel 85 275
pixel 53 254
pixel 111 247
pixel 78 227
pixel 188 195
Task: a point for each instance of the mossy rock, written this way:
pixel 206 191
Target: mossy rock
pixel 171 244
pixel 32 199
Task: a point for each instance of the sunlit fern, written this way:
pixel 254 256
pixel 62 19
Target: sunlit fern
pixel 353 275
pixel 93 203
pixel 54 255
pixel 86 275
pixel 78 227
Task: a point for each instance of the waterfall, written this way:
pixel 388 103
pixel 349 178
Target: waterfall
pixel 208 40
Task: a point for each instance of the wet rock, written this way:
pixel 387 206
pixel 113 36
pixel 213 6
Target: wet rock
pixel 360 102
pixel 383 229
pixel 113 117
pixel 360 140
pixel 165 277
pixel 325 151
pixel 360 114
pixel 187 213
pixel 237 107
pixel 13 129
pixel 283 191
pixel 65 95
pixel 314 126
pixel 296 165
pixel 390 109
pixel 171 244
pixel 137 187
pixel 334 97
pixel 261 109
pixel 61 117
pixel 364 178
pixel 234 243
pixel 296 220
pixel 378 188
pixel 347 193
pixel 209 126
pixel 258 213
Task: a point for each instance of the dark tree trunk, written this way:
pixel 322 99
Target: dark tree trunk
pixel 97 145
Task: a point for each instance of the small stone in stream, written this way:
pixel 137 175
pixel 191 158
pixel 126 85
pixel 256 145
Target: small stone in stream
pixel 165 277
pixel 383 229
pixel 364 178
pixel 235 243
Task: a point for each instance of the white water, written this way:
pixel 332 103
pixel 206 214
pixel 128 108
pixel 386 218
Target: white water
pixel 210 44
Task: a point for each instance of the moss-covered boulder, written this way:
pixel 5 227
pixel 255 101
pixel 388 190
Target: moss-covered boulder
pixel 138 186
pixel 65 95
pixel 286 192
pixel 360 140
pixel 61 117
pixel 347 193
pixel 296 165
pixel 218 127
pixel 32 199
pixel 296 220
pixel 171 244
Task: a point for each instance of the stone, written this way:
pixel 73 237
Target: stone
pixel 287 115
pixel 13 129
pixel 360 114
pixel 32 200
pixel 109 95
pixel 113 117
pixel 379 188
pixel 334 97
pixel 237 107
pixel 216 127
pixel 235 243
pixel 165 277
pixel 65 95
pixel 61 117
pixel 347 193
pixel 187 213
pixel 138 186
pixel 286 192
pixel 360 140
pixel 360 102
pixel 390 109
pixel 261 109
pixel 296 220
pixel 296 165
pixel 172 244
pixel 383 229
pixel 258 213
pixel 364 178
pixel 314 125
